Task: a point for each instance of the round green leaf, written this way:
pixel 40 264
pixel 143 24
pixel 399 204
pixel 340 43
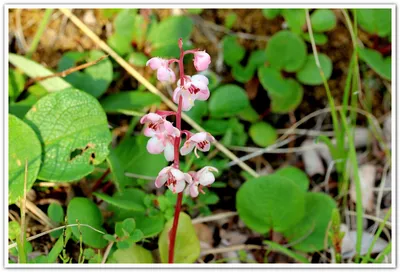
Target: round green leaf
pixel 375 60
pixel 56 212
pixel 295 19
pixel 270 202
pixel 233 51
pixel 311 232
pixel 319 38
pixel 263 134
pixel 286 51
pixel 86 212
pixel 187 245
pixel 133 254
pixel 74 132
pixel 228 100
pixel 309 74
pixel 271 13
pixel 23 147
pixel 375 21
pixel 323 20
pixel 296 175
pixel 273 82
pixel 290 101
pixel 16 83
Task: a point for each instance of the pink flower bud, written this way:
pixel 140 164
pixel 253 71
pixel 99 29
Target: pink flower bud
pixel 201 60
pixel 155 63
pixel 165 74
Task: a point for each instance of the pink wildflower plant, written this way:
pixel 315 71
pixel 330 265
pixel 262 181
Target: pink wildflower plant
pixel 199 141
pixel 194 88
pixel 201 60
pixel 164 73
pixel 203 177
pixel 173 178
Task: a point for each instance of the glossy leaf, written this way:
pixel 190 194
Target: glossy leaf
pixel 228 100
pixel 309 74
pixel 263 134
pixel 290 101
pixel 323 20
pixel 296 175
pixel 375 21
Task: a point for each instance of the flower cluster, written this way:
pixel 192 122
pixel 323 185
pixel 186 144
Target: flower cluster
pixel 166 138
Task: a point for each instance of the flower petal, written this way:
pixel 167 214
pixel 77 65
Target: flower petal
pixel 187 148
pixel 155 145
pixel 161 180
pixel 150 117
pixel 198 137
pixel 155 63
pixel 193 190
pixel 169 151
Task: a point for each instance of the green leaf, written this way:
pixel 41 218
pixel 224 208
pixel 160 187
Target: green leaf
pixel 14 230
pixel 270 202
pixel 73 130
pixel 58 246
pixel 309 74
pixel 290 101
pixel 195 11
pixel 257 58
pixel 133 254
pixel 33 69
pixel 375 21
pixel 228 100
pixel 382 66
pixel 16 83
pixel 187 245
pixel 263 134
pixel 110 238
pixel 216 126
pixel 86 212
pixel 121 44
pixel 55 212
pixel 242 74
pixel 249 114
pixel 124 23
pixel 197 112
pixel 140 162
pixel 279 248
pixel 128 199
pixel 295 19
pixel 209 198
pixel 117 171
pixel 271 13
pixel 94 79
pixel 135 236
pixel 137 59
pixel 23 147
pixel 230 19
pixel 286 51
pixel 311 232
pixel 129 100
pixel 129 225
pixel 319 38
pixel 294 174
pixel 232 50
pixel 323 20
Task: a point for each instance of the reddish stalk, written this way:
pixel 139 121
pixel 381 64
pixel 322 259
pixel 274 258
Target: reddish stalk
pixel 172 234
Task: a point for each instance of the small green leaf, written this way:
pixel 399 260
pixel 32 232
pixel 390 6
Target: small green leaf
pixel 209 198
pixel 133 254
pixel 233 51
pixel 323 20
pixel 197 112
pixel 119 230
pixel 187 245
pixel 124 23
pixel 230 19
pixel 242 74
pixel 129 100
pixel 135 236
pixel 128 199
pixel 295 19
pixel 16 83
pixel 263 134
pixel 55 212
pixel 216 126
pixel 33 69
pixel 58 246
pixel 279 248
pixel 137 59
pixel 290 101
pixel 309 74
pixel 286 51
pixel 23 147
pixel 249 114
pixel 85 211
pixel 382 66
pixel 123 244
pixel 319 38
pixel 228 100
pixel 110 238
pixel 121 44
pixel 14 230
pixel 271 13
pixel 117 171
pixel 296 175
pixel 310 233
pixel 74 132
pixel 375 21
pixel 129 225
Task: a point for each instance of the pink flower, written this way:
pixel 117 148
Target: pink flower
pixel 194 88
pixel 162 134
pixel 203 177
pixel 201 60
pixel 173 178
pixel 164 73
pixel 201 141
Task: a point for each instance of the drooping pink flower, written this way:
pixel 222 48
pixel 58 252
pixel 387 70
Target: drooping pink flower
pixel 201 60
pixel 173 178
pixel 194 88
pixel 162 134
pixel 201 141
pixel 164 73
pixel 203 177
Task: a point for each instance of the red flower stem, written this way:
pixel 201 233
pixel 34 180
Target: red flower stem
pixel 172 234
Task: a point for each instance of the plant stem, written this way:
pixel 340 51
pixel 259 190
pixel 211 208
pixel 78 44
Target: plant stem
pixel 172 235
pixel 39 33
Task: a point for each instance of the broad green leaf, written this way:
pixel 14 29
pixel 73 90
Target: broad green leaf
pixel 295 19
pixel 309 74
pixel 235 134
pixel 124 23
pixel 128 199
pixel 117 171
pixel 263 134
pixel 242 74
pixel 286 51
pixel 270 202
pixel 271 13
pixel 121 44
pixel 257 58
pixel 56 213
pixel 137 59
pixel 310 233
pixel 33 69
pixel 84 211
pixel 290 101
pixel 249 114
pixel 94 79
pixel 187 245
pixel 228 100
pixel 73 130
pixel 133 254
pixel 232 50
pixel 16 83
pixel 20 108
pixel 319 38
pixel 140 162
pixel 273 82
pixel 129 100
pixel 197 112
pixel 129 225
pixel 216 126
pixel 382 66
pixel 23 147
pixel 375 21
pixel 279 248
pixel 323 20
pixel 296 175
